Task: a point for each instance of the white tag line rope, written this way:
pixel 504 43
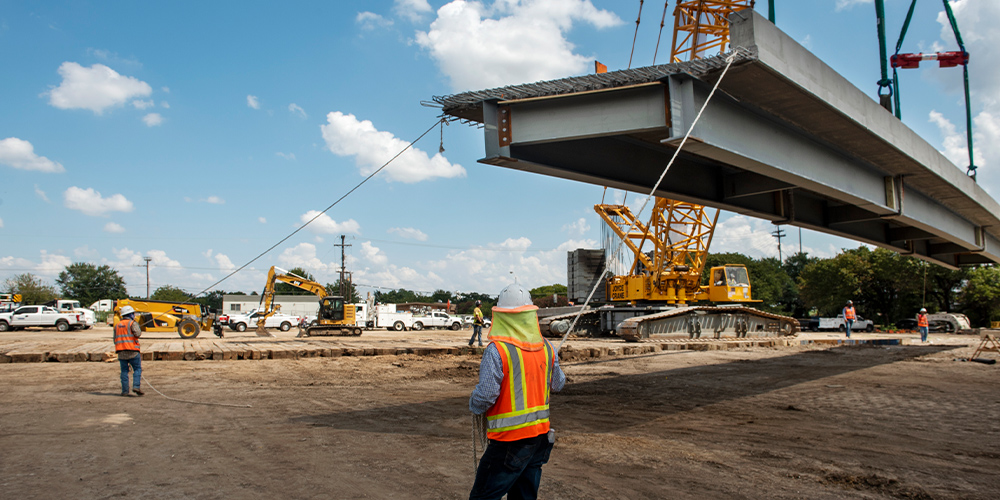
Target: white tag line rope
pixel 189 401
pixel 599 281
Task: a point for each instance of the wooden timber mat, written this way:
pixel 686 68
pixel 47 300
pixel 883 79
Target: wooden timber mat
pixel 26 351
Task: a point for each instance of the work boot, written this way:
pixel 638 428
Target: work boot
pixel 125 394
pixel 138 392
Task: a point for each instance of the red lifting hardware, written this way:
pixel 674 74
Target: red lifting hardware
pixel 944 59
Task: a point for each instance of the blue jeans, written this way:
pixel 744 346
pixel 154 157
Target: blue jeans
pixel 513 468
pixel 848 323
pixel 136 364
pixel 923 333
pixel 477 332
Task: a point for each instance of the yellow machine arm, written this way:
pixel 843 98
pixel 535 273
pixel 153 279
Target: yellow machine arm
pixel 275 275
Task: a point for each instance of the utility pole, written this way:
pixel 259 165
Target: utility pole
pixel 344 289
pixel 779 233
pixel 800 240
pixel 147 259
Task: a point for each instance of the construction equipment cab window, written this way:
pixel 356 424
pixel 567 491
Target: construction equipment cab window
pixel 332 308
pixel 737 276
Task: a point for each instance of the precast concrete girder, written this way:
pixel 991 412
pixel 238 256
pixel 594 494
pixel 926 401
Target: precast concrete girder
pixel 784 139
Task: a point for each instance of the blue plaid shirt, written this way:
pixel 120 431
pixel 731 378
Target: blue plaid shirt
pixel 491 374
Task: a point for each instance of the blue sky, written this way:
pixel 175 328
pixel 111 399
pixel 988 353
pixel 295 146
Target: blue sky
pixel 201 133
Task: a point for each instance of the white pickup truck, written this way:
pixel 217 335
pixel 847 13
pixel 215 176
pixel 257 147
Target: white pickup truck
pixel 26 316
pixel 71 306
pixel 437 319
pixel 860 324
pixel 283 322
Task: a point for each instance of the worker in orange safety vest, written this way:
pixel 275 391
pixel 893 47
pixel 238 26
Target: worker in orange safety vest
pixel 849 316
pixel 127 333
pixel 923 324
pixel 518 371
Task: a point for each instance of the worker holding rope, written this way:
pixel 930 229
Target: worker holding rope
pixel 518 370
pixel 127 333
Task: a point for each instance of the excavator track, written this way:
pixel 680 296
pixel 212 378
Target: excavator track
pixel 329 331
pixel 708 323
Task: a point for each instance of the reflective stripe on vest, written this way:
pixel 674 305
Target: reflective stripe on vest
pixel 125 340
pixel 522 409
pixel 849 313
pixel 922 320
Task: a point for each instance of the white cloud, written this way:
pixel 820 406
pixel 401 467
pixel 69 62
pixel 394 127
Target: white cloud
pixel 371 148
pixel 578 227
pixel 152 119
pixel 296 110
pixel 253 102
pixel 373 254
pixel 20 154
pixel 287 156
pixel 413 10
pixel 164 104
pixel 1 222
pixel 304 255
pixel 488 269
pixel 408 233
pixel 370 20
pixel 215 200
pixel 847 4
pixel 41 194
pixel 112 227
pixel 225 264
pixel 96 88
pixel 262 220
pixel 90 202
pixel 325 225
pixel 143 104
pixel 509 41
pixel 85 252
pixel 52 265
pixel 165 89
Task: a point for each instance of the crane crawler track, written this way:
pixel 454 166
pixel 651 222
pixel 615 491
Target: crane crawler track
pixel 329 331
pixel 708 323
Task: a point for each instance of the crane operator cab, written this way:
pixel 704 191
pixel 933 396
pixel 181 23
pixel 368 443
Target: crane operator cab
pixel 729 283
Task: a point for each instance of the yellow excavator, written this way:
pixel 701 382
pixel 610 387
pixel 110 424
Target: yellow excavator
pixel 335 316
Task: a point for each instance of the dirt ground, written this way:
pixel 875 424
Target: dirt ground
pixel 802 422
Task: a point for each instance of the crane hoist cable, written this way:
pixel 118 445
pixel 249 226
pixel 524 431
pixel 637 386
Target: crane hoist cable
pixel 906 61
pixel 662 19
pixel 637 19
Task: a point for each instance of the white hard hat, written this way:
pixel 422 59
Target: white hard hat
pixel 923 310
pixel 514 296
pixel 127 310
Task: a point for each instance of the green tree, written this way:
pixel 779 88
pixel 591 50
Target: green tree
pixel 942 286
pixel 88 283
pixel 334 289
pixel 827 284
pixel 32 289
pixel 211 299
pixel 400 296
pixel 771 284
pixel 443 296
pixel 286 289
pixel 980 297
pixel 548 291
pixel 170 293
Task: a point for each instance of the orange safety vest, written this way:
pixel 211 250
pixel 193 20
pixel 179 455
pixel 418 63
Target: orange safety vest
pixel 848 313
pixel 125 340
pixel 522 409
pixel 922 320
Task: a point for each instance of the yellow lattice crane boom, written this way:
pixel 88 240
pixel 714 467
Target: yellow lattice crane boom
pixel 702 27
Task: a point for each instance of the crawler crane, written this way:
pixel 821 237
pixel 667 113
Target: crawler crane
pixel 654 298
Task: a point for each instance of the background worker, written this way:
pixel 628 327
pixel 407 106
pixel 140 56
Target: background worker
pixel 923 324
pixel 127 333
pixel 849 316
pixel 477 325
pixel 518 370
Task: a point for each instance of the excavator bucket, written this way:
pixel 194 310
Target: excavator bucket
pixel 262 332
